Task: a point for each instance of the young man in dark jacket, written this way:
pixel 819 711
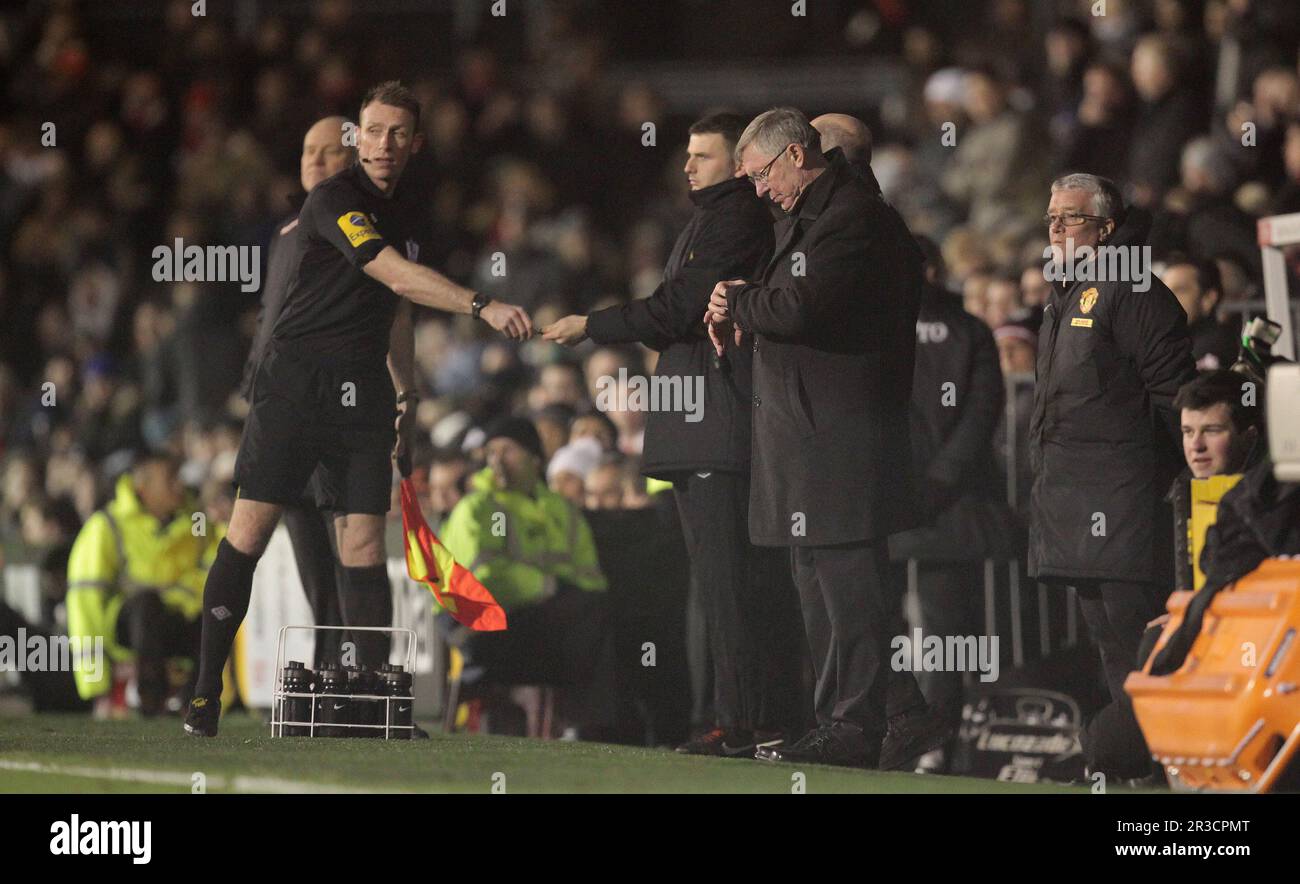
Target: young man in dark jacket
pixel 750 615
pixel 1221 436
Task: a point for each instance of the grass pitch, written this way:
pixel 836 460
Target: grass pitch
pixel 54 753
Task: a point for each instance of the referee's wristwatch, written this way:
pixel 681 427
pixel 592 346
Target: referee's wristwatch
pixel 480 301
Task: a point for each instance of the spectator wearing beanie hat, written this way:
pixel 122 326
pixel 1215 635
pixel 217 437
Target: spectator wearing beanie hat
pixel 533 549
pixel 1017 347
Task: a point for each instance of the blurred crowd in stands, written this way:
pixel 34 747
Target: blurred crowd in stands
pixel 173 126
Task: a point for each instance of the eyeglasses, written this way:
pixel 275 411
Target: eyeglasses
pixel 1069 219
pixel 761 175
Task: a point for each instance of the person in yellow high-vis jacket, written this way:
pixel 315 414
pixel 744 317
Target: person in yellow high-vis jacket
pixel 534 552
pixel 135 581
pixel 521 544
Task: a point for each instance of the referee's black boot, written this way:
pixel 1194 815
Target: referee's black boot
pixel 202 718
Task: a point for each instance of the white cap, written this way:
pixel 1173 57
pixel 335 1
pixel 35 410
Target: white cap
pixel 579 457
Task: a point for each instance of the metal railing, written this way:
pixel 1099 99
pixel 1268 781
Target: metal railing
pixel 1006 577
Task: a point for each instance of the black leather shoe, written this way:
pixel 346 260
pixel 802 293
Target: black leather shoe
pixel 843 746
pixel 910 736
pixel 765 752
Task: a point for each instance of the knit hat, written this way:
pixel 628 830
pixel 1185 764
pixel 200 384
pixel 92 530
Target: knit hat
pixel 521 430
pixel 579 457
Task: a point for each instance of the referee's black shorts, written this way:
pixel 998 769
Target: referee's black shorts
pixel 308 411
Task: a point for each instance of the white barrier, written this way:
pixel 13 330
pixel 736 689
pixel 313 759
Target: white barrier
pixel 20 589
pixel 1275 233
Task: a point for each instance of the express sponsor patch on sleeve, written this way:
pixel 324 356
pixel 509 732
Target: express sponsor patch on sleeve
pixel 357 228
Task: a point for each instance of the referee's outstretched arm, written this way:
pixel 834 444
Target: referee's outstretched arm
pixel 401 350
pixel 426 286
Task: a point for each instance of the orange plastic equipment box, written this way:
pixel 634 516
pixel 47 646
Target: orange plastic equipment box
pixel 1229 719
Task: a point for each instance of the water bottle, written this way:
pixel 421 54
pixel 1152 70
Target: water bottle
pixel 296 679
pixel 333 707
pixel 363 681
pixel 397 687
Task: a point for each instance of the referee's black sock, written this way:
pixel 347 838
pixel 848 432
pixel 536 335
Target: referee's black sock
pixel 225 602
pixel 368 601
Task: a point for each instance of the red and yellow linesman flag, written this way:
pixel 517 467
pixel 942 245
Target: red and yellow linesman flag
pixel 455 587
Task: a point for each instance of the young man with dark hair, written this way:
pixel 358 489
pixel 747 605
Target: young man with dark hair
pixel 1198 287
pixel 1220 437
pixel 1220 429
pixel 1220 425
pixel 322 395
pixel 748 603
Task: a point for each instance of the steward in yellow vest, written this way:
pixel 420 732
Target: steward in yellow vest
pixel 534 551
pixel 520 544
pixel 135 580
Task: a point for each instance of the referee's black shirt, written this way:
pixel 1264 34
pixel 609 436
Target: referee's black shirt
pixel 333 310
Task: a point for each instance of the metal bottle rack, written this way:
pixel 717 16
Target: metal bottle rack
pixel 280 695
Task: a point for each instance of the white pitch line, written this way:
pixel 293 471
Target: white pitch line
pixel 184 780
pixel 153 777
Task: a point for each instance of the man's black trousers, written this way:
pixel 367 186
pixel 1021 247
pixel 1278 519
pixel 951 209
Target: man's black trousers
pixel 851 611
pixel 155 633
pixel 950 598
pixel 1117 613
pixel 749 607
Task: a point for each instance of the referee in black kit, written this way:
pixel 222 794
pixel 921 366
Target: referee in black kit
pixel 324 154
pixel 322 394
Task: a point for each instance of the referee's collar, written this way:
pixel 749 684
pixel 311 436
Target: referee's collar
pixel 364 182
